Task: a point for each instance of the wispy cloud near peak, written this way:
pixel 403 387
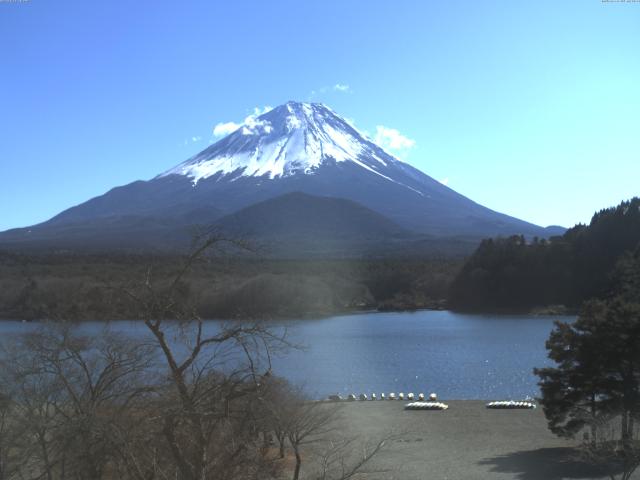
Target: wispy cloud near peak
pixel 225 128
pixel 391 139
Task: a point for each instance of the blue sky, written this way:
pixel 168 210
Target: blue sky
pixel 530 108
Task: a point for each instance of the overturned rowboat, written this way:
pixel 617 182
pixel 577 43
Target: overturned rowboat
pixel 511 404
pixel 426 406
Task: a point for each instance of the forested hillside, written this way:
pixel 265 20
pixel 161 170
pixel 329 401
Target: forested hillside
pixel 515 274
pixel 95 287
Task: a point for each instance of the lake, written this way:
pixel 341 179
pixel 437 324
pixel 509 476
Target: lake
pixel 458 356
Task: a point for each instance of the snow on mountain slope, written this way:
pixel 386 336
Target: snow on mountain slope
pixel 294 138
pixel 296 147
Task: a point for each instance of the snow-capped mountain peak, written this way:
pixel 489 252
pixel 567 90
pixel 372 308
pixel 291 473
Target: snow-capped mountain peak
pixel 294 138
pixel 296 148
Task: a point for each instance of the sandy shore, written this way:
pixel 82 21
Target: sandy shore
pixel 467 441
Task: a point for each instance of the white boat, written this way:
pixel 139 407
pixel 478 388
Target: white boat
pixel 511 404
pixel 426 406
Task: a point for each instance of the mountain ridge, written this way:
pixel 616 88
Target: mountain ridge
pixel 296 147
pixel 335 217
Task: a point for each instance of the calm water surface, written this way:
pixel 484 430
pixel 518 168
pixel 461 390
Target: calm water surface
pixel 458 356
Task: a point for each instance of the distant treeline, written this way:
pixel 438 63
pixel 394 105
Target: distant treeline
pixel 81 287
pixel 504 274
pixel 516 274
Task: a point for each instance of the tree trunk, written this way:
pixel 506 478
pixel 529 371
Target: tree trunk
pixel 282 438
pixel 624 434
pixel 594 413
pixel 630 462
pixel 296 472
pixel 45 455
pixel 181 463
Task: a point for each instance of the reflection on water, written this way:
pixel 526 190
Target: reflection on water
pixel 459 356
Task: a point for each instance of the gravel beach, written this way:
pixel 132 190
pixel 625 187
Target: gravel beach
pixel 467 441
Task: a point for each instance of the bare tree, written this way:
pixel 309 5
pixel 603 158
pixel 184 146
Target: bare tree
pixel 275 398
pixel 314 429
pixel 5 407
pixel 308 423
pixel 193 400
pixel 10 445
pixel 346 458
pixel 70 395
pixel 213 372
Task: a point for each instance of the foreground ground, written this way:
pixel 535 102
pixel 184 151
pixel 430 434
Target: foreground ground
pixel 465 442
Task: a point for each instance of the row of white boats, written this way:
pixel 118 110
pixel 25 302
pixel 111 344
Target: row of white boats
pixel 432 403
pixel 391 396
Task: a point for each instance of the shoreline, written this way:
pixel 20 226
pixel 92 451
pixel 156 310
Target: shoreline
pixel 536 312
pixel 466 441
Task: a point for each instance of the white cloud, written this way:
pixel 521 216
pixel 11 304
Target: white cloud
pixel 225 128
pixel 252 126
pixel 392 139
pixel 444 181
pixel 196 139
pixel 257 111
pixel 338 87
pixel 250 123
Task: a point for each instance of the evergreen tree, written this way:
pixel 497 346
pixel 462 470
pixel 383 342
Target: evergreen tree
pixel 513 274
pixel 597 374
pixel 572 392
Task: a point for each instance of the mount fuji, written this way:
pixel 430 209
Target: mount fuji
pixel 303 148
